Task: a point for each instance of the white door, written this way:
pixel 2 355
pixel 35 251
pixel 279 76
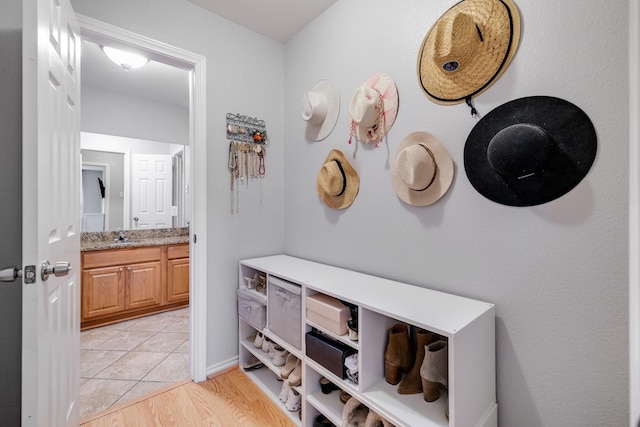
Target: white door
pixel 151 191
pixel 51 213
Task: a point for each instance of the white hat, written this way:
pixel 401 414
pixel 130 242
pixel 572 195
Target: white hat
pixel 373 108
pixel 422 170
pixel 320 109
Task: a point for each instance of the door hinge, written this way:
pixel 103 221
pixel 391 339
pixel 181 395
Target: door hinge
pixel 195 239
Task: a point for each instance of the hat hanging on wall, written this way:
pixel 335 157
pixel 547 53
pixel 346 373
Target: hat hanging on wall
pixel 422 170
pixel 530 151
pixel 338 182
pixel 468 49
pixel 373 109
pixel 320 109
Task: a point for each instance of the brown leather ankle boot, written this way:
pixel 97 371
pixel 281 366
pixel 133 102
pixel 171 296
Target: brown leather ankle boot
pixel 412 383
pixel 398 357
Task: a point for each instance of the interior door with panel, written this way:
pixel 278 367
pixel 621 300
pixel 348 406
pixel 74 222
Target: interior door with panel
pixel 51 214
pixel 151 190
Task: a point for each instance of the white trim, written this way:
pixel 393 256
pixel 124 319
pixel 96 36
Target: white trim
pixel 219 367
pixel 634 214
pixel 91 145
pixel 105 168
pixel 97 31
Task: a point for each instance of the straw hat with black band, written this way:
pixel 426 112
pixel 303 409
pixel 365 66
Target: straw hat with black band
pixel 530 151
pixel 338 182
pixel 468 49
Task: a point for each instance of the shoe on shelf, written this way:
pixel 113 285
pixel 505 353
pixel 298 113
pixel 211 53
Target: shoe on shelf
pixel 398 357
pixel 353 333
pixel 280 356
pixel 344 397
pixel 265 344
pixel 284 392
pixel 293 400
pixel 322 421
pixel 434 370
pixel 295 377
pixel 272 349
pixel 375 420
pixel 354 413
pixel 411 383
pixel 252 363
pixel 327 386
pixel 289 366
pixel 257 342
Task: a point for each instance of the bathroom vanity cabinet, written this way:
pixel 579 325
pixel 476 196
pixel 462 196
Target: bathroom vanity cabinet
pixel 128 282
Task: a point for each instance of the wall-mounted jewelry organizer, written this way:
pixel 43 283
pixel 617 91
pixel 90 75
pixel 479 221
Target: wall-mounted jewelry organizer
pixel 246 129
pixel 247 150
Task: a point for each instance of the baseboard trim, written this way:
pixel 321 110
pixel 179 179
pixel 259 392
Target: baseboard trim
pixel 219 368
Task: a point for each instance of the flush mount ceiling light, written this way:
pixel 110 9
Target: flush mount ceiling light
pixel 126 60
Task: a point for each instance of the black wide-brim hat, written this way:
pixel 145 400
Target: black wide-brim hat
pixel 530 151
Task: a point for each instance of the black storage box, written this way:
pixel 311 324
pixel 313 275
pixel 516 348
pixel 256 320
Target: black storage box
pixel 327 352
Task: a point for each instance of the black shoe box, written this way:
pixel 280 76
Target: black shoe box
pixel 328 352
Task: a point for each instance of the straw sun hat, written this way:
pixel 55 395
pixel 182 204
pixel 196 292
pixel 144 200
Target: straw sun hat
pixel 530 151
pixel 468 49
pixel 422 170
pixel 338 182
pixel 320 109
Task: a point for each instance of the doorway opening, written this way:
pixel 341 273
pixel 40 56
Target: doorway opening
pixel 188 166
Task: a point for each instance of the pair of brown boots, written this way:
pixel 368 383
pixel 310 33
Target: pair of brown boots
pixel 426 367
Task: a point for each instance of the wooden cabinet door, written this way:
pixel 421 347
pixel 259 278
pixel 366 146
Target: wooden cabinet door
pixel 177 280
pixel 144 285
pixel 102 292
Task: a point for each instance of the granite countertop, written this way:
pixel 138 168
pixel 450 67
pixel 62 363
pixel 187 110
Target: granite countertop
pixel 135 239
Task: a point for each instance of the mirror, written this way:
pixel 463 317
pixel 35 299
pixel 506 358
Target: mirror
pixel 131 183
pixel 139 178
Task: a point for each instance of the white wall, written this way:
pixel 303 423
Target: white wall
pixel 556 272
pixel 244 75
pixel 112 113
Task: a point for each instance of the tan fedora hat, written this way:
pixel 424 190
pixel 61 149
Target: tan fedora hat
pixel 422 170
pixel 373 108
pixel 468 49
pixel 320 109
pixel 338 182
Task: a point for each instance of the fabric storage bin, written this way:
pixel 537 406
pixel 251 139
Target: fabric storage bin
pixel 327 352
pixel 252 309
pixel 284 316
pixel 328 312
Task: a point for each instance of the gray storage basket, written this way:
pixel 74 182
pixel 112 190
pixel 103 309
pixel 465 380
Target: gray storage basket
pixel 285 310
pixel 252 309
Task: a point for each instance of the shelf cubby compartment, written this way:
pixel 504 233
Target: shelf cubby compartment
pixel 251 273
pixel 266 377
pixel 327 404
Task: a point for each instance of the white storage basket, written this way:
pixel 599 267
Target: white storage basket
pixel 252 309
pixel 285 310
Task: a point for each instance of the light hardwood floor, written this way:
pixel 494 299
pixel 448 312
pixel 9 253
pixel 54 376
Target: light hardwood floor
pixel 229 399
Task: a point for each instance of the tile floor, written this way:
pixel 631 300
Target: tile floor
pixel 126 360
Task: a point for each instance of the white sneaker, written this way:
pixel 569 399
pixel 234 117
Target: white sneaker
pixel 258 341
pixel 284 392
pixel 280 356
pixel 293 401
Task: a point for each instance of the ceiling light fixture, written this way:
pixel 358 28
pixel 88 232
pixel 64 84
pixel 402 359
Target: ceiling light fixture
pixel 126 60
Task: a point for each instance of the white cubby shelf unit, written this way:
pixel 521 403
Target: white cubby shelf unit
pixel 467 324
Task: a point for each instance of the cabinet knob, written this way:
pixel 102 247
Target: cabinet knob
pixel 121 269
pixel 129 268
